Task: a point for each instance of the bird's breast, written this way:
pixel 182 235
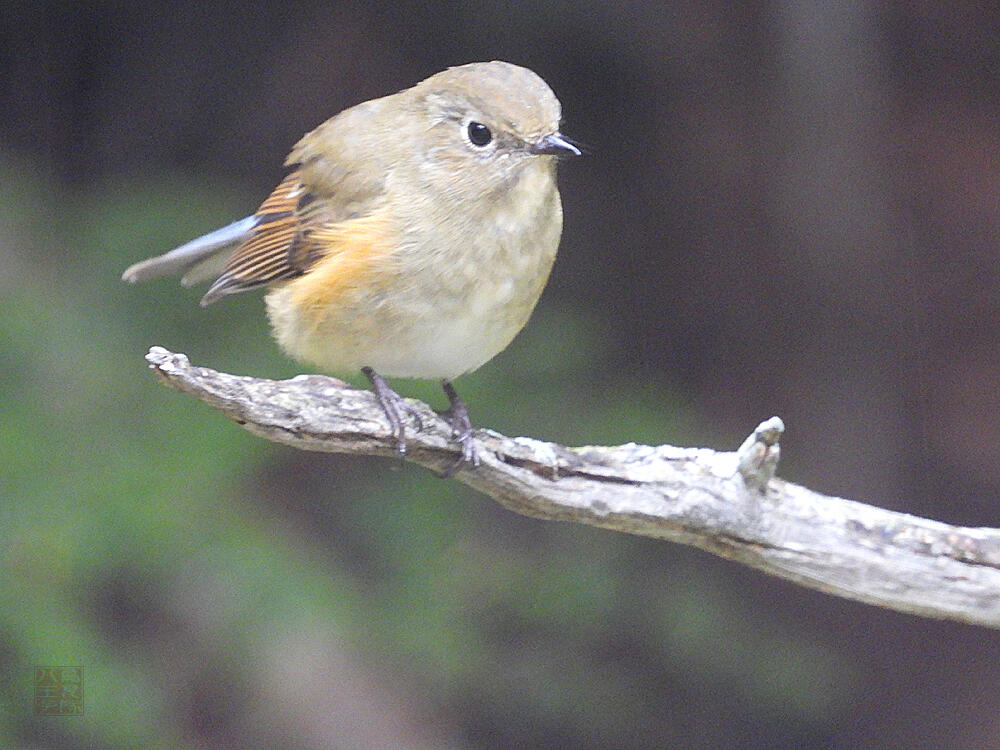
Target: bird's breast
pixel 450 293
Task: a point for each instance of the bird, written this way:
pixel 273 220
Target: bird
pixel 411 236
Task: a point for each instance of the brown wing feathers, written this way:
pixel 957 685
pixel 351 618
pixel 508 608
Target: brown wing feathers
pixel 269 253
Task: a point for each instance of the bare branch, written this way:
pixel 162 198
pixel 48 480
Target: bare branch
pixel 725 503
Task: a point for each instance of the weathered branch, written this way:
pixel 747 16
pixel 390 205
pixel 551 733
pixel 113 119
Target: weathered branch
pixel 725 503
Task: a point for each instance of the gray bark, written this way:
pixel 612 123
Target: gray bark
pixel 727 503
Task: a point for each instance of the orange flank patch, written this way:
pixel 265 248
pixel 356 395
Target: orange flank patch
pixel 351 251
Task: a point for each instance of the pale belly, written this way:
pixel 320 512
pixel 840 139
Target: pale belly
pixel 428 325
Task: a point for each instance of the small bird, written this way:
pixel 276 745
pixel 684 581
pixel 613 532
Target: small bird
pixel 411 238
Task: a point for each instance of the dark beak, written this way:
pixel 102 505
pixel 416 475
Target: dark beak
pixel 555 144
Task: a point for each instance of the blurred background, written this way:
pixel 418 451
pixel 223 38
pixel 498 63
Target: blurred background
pixel 789 208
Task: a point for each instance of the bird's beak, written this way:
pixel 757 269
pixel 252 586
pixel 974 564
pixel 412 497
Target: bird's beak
pixel 555 144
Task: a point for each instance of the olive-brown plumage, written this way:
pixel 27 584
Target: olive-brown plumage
pixel 412 236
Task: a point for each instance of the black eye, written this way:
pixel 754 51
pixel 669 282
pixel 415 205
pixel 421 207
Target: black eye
pixel 479 134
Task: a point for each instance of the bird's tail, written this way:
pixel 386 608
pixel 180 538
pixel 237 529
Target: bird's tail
pixel 198 260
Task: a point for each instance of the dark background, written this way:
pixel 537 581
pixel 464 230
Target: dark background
pixel 789 208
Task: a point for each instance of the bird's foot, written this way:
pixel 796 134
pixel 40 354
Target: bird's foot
pixel 394 406
pixel 461 430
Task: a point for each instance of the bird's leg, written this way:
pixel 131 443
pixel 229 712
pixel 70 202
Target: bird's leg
pixel 461 428
pixel 394 407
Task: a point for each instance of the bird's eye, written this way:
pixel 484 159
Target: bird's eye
pixel 479 134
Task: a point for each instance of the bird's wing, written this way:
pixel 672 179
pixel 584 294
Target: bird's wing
pixel 272 251
pixel 293 226
pixel 336 178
